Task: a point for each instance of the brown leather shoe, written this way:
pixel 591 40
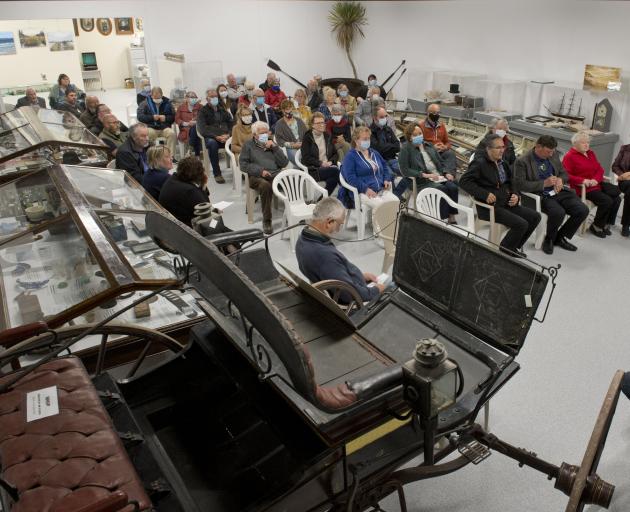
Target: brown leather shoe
pixel 219 179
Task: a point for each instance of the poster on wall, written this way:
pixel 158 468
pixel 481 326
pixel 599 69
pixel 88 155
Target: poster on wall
pixel 601 78
pixel 7 43
pixel 124 26
pixel 60 41
pixel 104 26
pixel 31 38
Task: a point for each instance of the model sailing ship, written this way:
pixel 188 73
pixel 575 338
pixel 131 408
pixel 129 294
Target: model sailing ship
pixel 566 114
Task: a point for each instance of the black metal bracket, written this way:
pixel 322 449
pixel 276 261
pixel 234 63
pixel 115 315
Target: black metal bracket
pixel 130 438
pixel 553 274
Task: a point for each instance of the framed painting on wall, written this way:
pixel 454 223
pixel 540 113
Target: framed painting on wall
pixel 7 43
pixel 124 26
pixel 104 26
pixel 60 41
pixel 32 38
pixel 139 25
pixel 87 24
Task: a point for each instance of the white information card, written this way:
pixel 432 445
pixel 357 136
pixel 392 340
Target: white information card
pixel 41 403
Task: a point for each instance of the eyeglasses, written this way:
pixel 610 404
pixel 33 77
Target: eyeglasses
pixel 318 122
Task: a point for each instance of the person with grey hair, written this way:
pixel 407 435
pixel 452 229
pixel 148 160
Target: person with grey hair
pixel 132 154
pixel 214 124
pixel 500 127
pixel 367 108
pixel 262 111
pixel 235 90
pixel 157 113
pixel 262 159
pixel 339 129
pixel 314 97
pixel 89 117
pixel 267 84
pixel 585 171
pixel 112 133
pixel 30 99
pixel 319 259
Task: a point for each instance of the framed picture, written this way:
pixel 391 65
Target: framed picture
pixel 31 38
pixel 124 26
pixel 87 24
pixel 139 25
pixel 601 78
pixel 75 25
pixel 7 43
pixel 104 26
pixel 60 41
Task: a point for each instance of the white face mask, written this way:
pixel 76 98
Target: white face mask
pixel 500 133
pixel 246 119
pixel 223 94
pixel 337 119
pixel 382 121
pixel 376 96
pixel 157 101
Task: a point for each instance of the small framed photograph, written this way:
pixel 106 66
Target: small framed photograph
pixel 139 25
pixel 87 24
pixel 124 26
pixel 104 26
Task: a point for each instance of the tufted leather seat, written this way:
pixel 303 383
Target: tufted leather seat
pixel 69 462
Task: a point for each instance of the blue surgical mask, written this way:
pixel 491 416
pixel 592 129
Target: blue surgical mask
pixel 372 82
pixel 343 94
pixel 365 144
pixel 275 88
pixel 214 101
pixel 193 101
pixel 382 121
pixel 260 100
pixel 263 138
pixel 417 140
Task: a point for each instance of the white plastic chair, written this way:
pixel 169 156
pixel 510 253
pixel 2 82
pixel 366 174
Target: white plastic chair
pixel 361 209
pixel 206 158
pixel 132 113
pixel 289 185
pixel 385 225
pixel 237 175
pixel 496 229
pixel 428 202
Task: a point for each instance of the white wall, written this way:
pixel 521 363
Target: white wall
pixel 27 65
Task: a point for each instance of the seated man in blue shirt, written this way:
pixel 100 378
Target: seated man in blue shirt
pixel 539 171
pixel 319 259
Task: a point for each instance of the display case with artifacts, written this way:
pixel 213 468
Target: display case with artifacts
pixel 31 137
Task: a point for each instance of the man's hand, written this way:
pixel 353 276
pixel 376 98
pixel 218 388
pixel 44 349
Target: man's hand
pixel 340 139
pixel 269 144
pixel 624 176
pixel 381 287
pixel 327 163
pixel 297 145
pixel 513 200
pixel 156 117
pixel 369 277
pixel 559 184
pixel 439 146
pixel 449 176
pixel 370 193
pixel 265 173
pixel 162 118
pixel 387 185
pixel 590 183
pixel 222 138
pixel 491 199
pixel 550 181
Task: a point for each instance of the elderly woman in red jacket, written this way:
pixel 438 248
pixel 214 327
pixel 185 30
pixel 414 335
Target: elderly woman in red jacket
pixel 584 170
pixel 621 167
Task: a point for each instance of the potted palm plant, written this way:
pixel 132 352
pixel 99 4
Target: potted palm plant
pixel 346 21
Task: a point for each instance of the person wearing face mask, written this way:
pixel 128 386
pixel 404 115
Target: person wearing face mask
pixel 157 113
pixel 132 154
pixel 500 126
pixel 435 132
pixel 302 110
pixel 319 154
pixel 160 163
pixel 90 117
pixel 489 180
pixel 111 133
pixel 384 140
pixel 225 101
pixel 313 98
pixel 262 111
pixel 367 108
pixel 262 160
pixel 242 130
pixel 289 130
pixel 347 101
pixel 366 91
pixel 248 95
pixel 364 168
pixel 274 95
pixel 214 124
pixel 338 127
pixel 145 91
pixel 186 118
pixel 319 259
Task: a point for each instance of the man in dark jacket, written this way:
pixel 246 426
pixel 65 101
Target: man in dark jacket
pixel 157 113
pixel 89 117
pixel 384 140
pixel 31 99
pixel 313 99
pixel 319 259
pixel 540 171
pixel 71 104
pixel 214 124
pixel 489 180
pixel 132 154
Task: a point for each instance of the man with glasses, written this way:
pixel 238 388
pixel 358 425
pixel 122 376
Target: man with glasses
pixel 319 259
pixel 539 171
pixel 263 112
pixel 489 180
pixel 319 153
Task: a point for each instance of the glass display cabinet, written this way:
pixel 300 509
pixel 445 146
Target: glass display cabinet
pixel 33 137
pixel 74 250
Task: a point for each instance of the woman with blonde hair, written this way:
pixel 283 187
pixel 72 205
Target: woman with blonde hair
pixel 242 130
pixel 303 111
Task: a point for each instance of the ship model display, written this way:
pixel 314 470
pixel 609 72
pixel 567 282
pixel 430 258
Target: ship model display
pixel 565 113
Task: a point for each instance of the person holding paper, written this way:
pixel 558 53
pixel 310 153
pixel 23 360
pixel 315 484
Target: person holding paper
pixel 539 171
pixel 319 259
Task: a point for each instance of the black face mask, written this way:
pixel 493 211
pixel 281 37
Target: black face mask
pixel 288 115
pixel 434 117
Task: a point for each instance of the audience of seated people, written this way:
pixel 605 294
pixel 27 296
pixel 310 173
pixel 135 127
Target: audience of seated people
pixel 274 96
pixel 132 153
pixel 289 130
pixel 365 169
pixel 58 91
pixel 338 127
pixel 319 259
pixel 263 112
pixel 319 153
pixel 302 110
pixel 489 180
pixel 242 130
pixel 621 168
pixel 224 99
pixel 539 171
pixel 419 160
pixel 186 118
pixel 160 162
pixel 214 124
pixel 262 159
pixel 157 113
pixel 30 99
pixel 435 132
pixel 112 134
pixel 584 170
